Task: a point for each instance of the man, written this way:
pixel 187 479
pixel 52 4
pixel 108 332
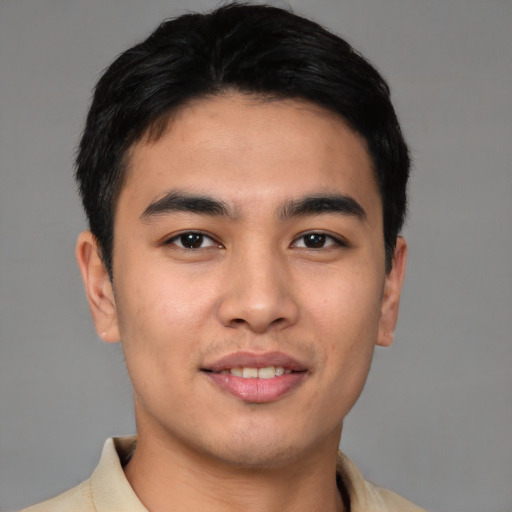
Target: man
pixel 244 177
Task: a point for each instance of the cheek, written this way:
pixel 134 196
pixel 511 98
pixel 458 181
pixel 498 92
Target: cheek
pixel 344 318
pixel 165 316
pixel 345 303
pixel 346 330
pixel 162 300
pixel 156 322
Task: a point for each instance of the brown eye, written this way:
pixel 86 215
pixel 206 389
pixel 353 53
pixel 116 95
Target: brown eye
pixel 314 240
pixel 191 240
pixel 318 240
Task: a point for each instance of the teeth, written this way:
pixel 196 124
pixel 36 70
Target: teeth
pixel 254 373
pixel 250 373
pixel 267 373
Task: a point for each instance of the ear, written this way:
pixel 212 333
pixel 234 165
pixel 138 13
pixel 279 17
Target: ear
pixel 391 297
pixel 98 287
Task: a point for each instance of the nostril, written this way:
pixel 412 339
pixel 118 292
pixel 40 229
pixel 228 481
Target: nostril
pixel 256 312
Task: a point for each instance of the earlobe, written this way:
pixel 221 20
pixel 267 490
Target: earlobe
pixel 98 287
pixel 391 297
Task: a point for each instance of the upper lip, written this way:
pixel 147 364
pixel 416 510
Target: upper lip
pixel 255 360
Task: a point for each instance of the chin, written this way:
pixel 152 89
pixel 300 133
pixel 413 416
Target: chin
pixel 253 448
pixel 253 456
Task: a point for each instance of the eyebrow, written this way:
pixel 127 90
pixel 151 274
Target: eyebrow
pixel 183 202
pixel 177 201
pixel 320 204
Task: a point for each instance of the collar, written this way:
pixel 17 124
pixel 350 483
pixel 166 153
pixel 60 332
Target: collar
pixel 111 490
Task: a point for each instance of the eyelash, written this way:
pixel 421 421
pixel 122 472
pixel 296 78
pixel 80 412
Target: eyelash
pixel 173 240
pixel 335 241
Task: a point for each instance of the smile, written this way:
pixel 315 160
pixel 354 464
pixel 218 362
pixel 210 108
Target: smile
pixel 268 372
pixel 256 378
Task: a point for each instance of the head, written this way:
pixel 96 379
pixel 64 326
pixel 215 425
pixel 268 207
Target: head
pixel 244 176
pixel 251 49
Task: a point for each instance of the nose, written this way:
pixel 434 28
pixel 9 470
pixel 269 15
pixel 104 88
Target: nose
pixel 258 294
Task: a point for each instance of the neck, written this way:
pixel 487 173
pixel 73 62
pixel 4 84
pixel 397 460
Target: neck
pixel 168 478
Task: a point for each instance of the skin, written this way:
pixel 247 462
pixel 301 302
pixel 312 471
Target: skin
pixel 253 285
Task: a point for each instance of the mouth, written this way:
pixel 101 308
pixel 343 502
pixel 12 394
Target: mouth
pixel 247 372
pixel 256 378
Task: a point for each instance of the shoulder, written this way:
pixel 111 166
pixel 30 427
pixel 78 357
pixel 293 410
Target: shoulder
pixel 365 496
pixel 390 501
pixel 77 499
pixel 106 490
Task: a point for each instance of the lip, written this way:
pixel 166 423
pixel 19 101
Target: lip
pixel 255 360
pixel 256 390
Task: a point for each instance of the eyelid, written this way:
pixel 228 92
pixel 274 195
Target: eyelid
pixel 171 240
pixel 338 240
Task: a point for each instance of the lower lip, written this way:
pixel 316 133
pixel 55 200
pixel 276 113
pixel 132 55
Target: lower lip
pixel 258 391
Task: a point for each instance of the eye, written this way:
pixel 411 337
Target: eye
pixel 317 241
pixel 192 240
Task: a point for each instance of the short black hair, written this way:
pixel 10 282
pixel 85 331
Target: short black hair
pixel 252 49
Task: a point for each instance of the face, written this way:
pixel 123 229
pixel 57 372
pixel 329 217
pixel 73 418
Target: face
pixel 249 284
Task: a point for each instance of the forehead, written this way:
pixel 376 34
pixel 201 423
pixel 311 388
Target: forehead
pixel 247 149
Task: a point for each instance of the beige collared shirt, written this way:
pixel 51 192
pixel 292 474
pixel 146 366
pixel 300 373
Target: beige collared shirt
pixel 108 489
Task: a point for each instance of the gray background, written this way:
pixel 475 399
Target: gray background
pixel 435 420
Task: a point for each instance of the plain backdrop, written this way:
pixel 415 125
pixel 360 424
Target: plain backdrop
pixel 435 420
